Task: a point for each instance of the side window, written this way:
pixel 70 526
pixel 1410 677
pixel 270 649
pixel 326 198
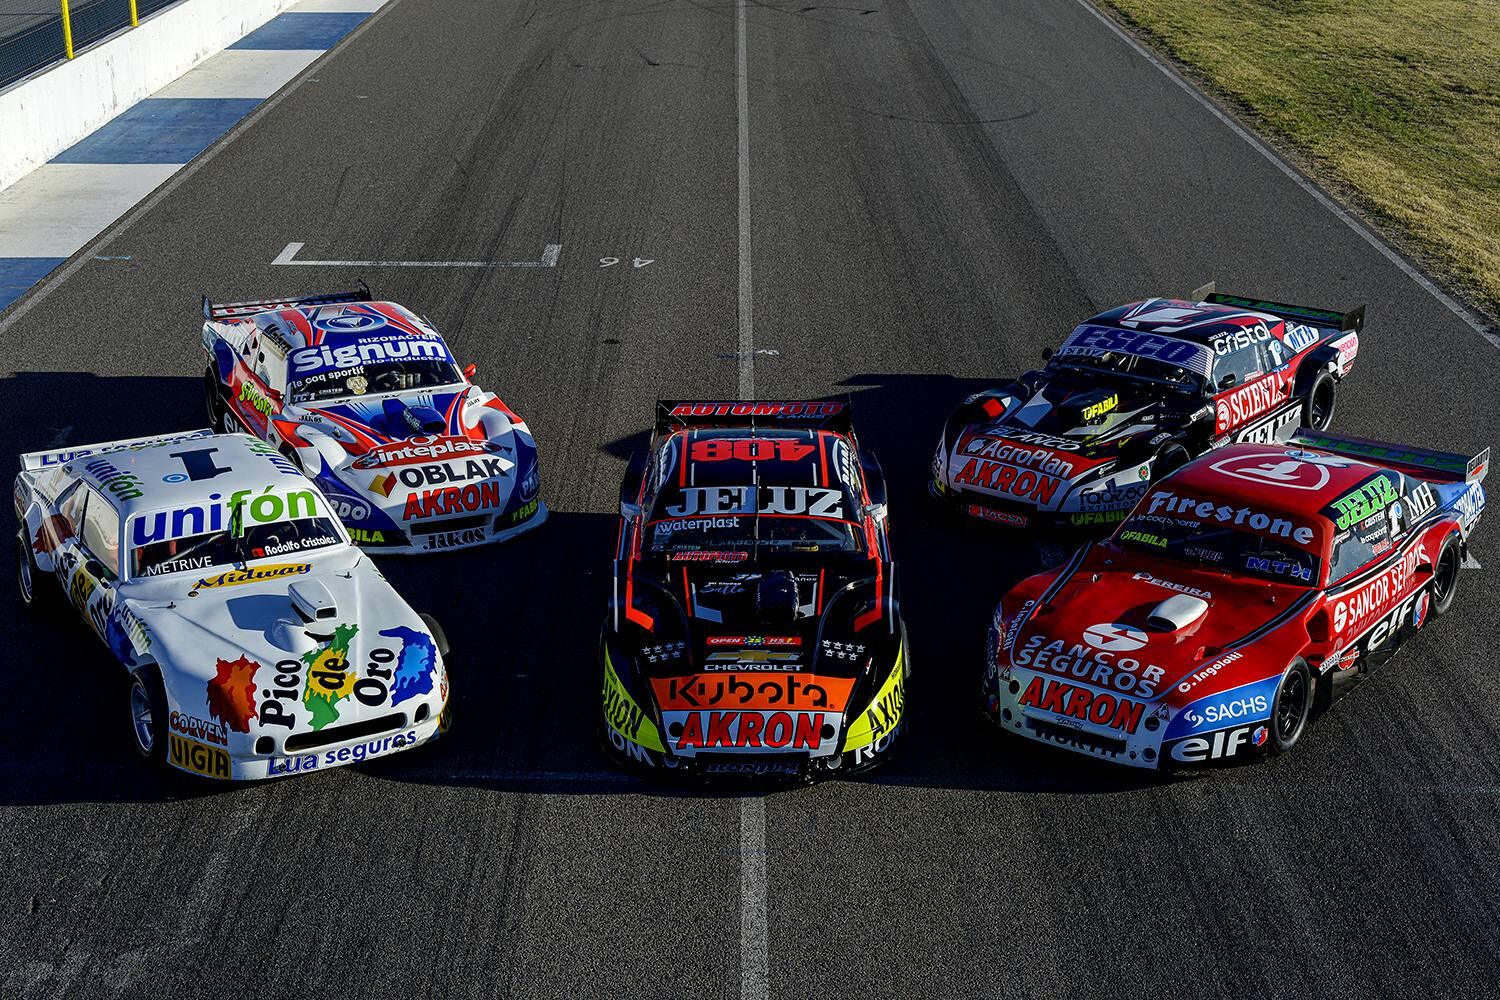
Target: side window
pixel 1350 555
pixel 70 506
pixel 272 371
pixel 1244 364
pixel 101 532
pixel 1275 354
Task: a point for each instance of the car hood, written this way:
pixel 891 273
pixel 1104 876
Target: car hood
pixel 1142 627
pixel 389 461
pixel 236 658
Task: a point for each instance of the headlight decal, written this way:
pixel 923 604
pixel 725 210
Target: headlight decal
pixel 883 714
pixel 623 714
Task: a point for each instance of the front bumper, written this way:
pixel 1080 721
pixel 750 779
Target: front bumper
pixel 423 537
pixel 791 768
pixel 1002 705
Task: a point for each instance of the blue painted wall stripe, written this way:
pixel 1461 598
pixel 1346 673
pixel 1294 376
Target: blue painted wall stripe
pixel 160 130
pixel 301 31
pixel 18 274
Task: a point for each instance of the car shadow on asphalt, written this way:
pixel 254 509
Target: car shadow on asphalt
pixel 523 620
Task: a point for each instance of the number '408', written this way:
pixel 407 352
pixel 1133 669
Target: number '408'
pixel 749 450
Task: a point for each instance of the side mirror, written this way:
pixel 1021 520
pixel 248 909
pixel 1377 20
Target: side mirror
pixel 1228 380
pixel 470 370
pixel 630 486
pixel 1046 354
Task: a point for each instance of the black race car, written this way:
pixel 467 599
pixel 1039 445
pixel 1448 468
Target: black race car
pixel 754 628
pixel 1133 394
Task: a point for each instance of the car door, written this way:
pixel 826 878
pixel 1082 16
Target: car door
pixel 88 563
pixel 253 392
pixel 1376 587
pixel 1250 382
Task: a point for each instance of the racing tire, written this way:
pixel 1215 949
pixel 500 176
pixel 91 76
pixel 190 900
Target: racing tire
pixel 213 398
pixel 1168 460
pixel 1291 709
pixel 1319 403
pixel 31 582
pixel 439 637
pixel 148 715
pixel 1445 573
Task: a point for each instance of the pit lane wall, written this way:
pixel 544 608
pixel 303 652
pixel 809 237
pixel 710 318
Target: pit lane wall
pixel 49 111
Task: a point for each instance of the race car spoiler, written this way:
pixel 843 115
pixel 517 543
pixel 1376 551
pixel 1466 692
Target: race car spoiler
pixel 1447 465
pixel 1354 319
pixel 244 310
pixel 34 460
pixel 822 414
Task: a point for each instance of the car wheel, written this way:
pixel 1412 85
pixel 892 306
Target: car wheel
pixel 213 397
pixel 1445 577
pixel 1317 409
pixel 1292 707
pixel 439 637
pixel 148 714
pixel 1168 460
pixel 31 581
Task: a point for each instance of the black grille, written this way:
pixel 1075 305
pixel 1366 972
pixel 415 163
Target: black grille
pixel 342 734
pixel 1093 741
pixel 451 524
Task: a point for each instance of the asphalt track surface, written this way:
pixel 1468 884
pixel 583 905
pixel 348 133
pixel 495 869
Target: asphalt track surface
pixel 937 190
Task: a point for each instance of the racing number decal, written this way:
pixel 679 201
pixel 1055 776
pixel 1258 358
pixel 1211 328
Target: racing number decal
pixel 749 450
pixel 199 463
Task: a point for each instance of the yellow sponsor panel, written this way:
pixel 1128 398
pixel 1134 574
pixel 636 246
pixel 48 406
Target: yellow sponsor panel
pixel 883 714
pixel 623 714
pixel 1102 407
pixel 200 758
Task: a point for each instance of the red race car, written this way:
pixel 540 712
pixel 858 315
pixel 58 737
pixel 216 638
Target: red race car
pixel 1223 611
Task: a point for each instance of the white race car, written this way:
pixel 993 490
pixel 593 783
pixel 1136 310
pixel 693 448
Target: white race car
pixel 260 642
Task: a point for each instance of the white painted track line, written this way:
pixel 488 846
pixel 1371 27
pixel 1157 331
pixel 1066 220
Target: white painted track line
pixel 742 114
pixel 1385 250
pixel 755 968
pixel 551 254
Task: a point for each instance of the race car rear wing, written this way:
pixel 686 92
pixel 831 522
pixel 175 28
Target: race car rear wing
pixel 820 414
pixel 34 460
pixel 243 310
pixel 1438 466
pixel 1341 322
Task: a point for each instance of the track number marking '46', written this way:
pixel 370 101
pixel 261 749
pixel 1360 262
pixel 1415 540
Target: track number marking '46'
pixel 637 262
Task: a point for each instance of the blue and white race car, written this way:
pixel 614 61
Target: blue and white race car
pixel 367 399
pixel 259 642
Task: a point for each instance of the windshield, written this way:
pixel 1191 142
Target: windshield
pixel 210 550
pixel 1231 550
pixel 744 533
pixel 1131 366
pixel 381 376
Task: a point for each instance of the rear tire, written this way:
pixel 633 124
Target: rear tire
pixel 1445 573
pixel 36 595
pixel 1292 707
pixel 213 397
pixel 1319 404
pixel 148 715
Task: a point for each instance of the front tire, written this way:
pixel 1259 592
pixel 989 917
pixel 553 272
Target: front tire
pixel 1320 402
pixel 148 715
pixel 1292 707
pixel 1169 459
pixel 439 637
